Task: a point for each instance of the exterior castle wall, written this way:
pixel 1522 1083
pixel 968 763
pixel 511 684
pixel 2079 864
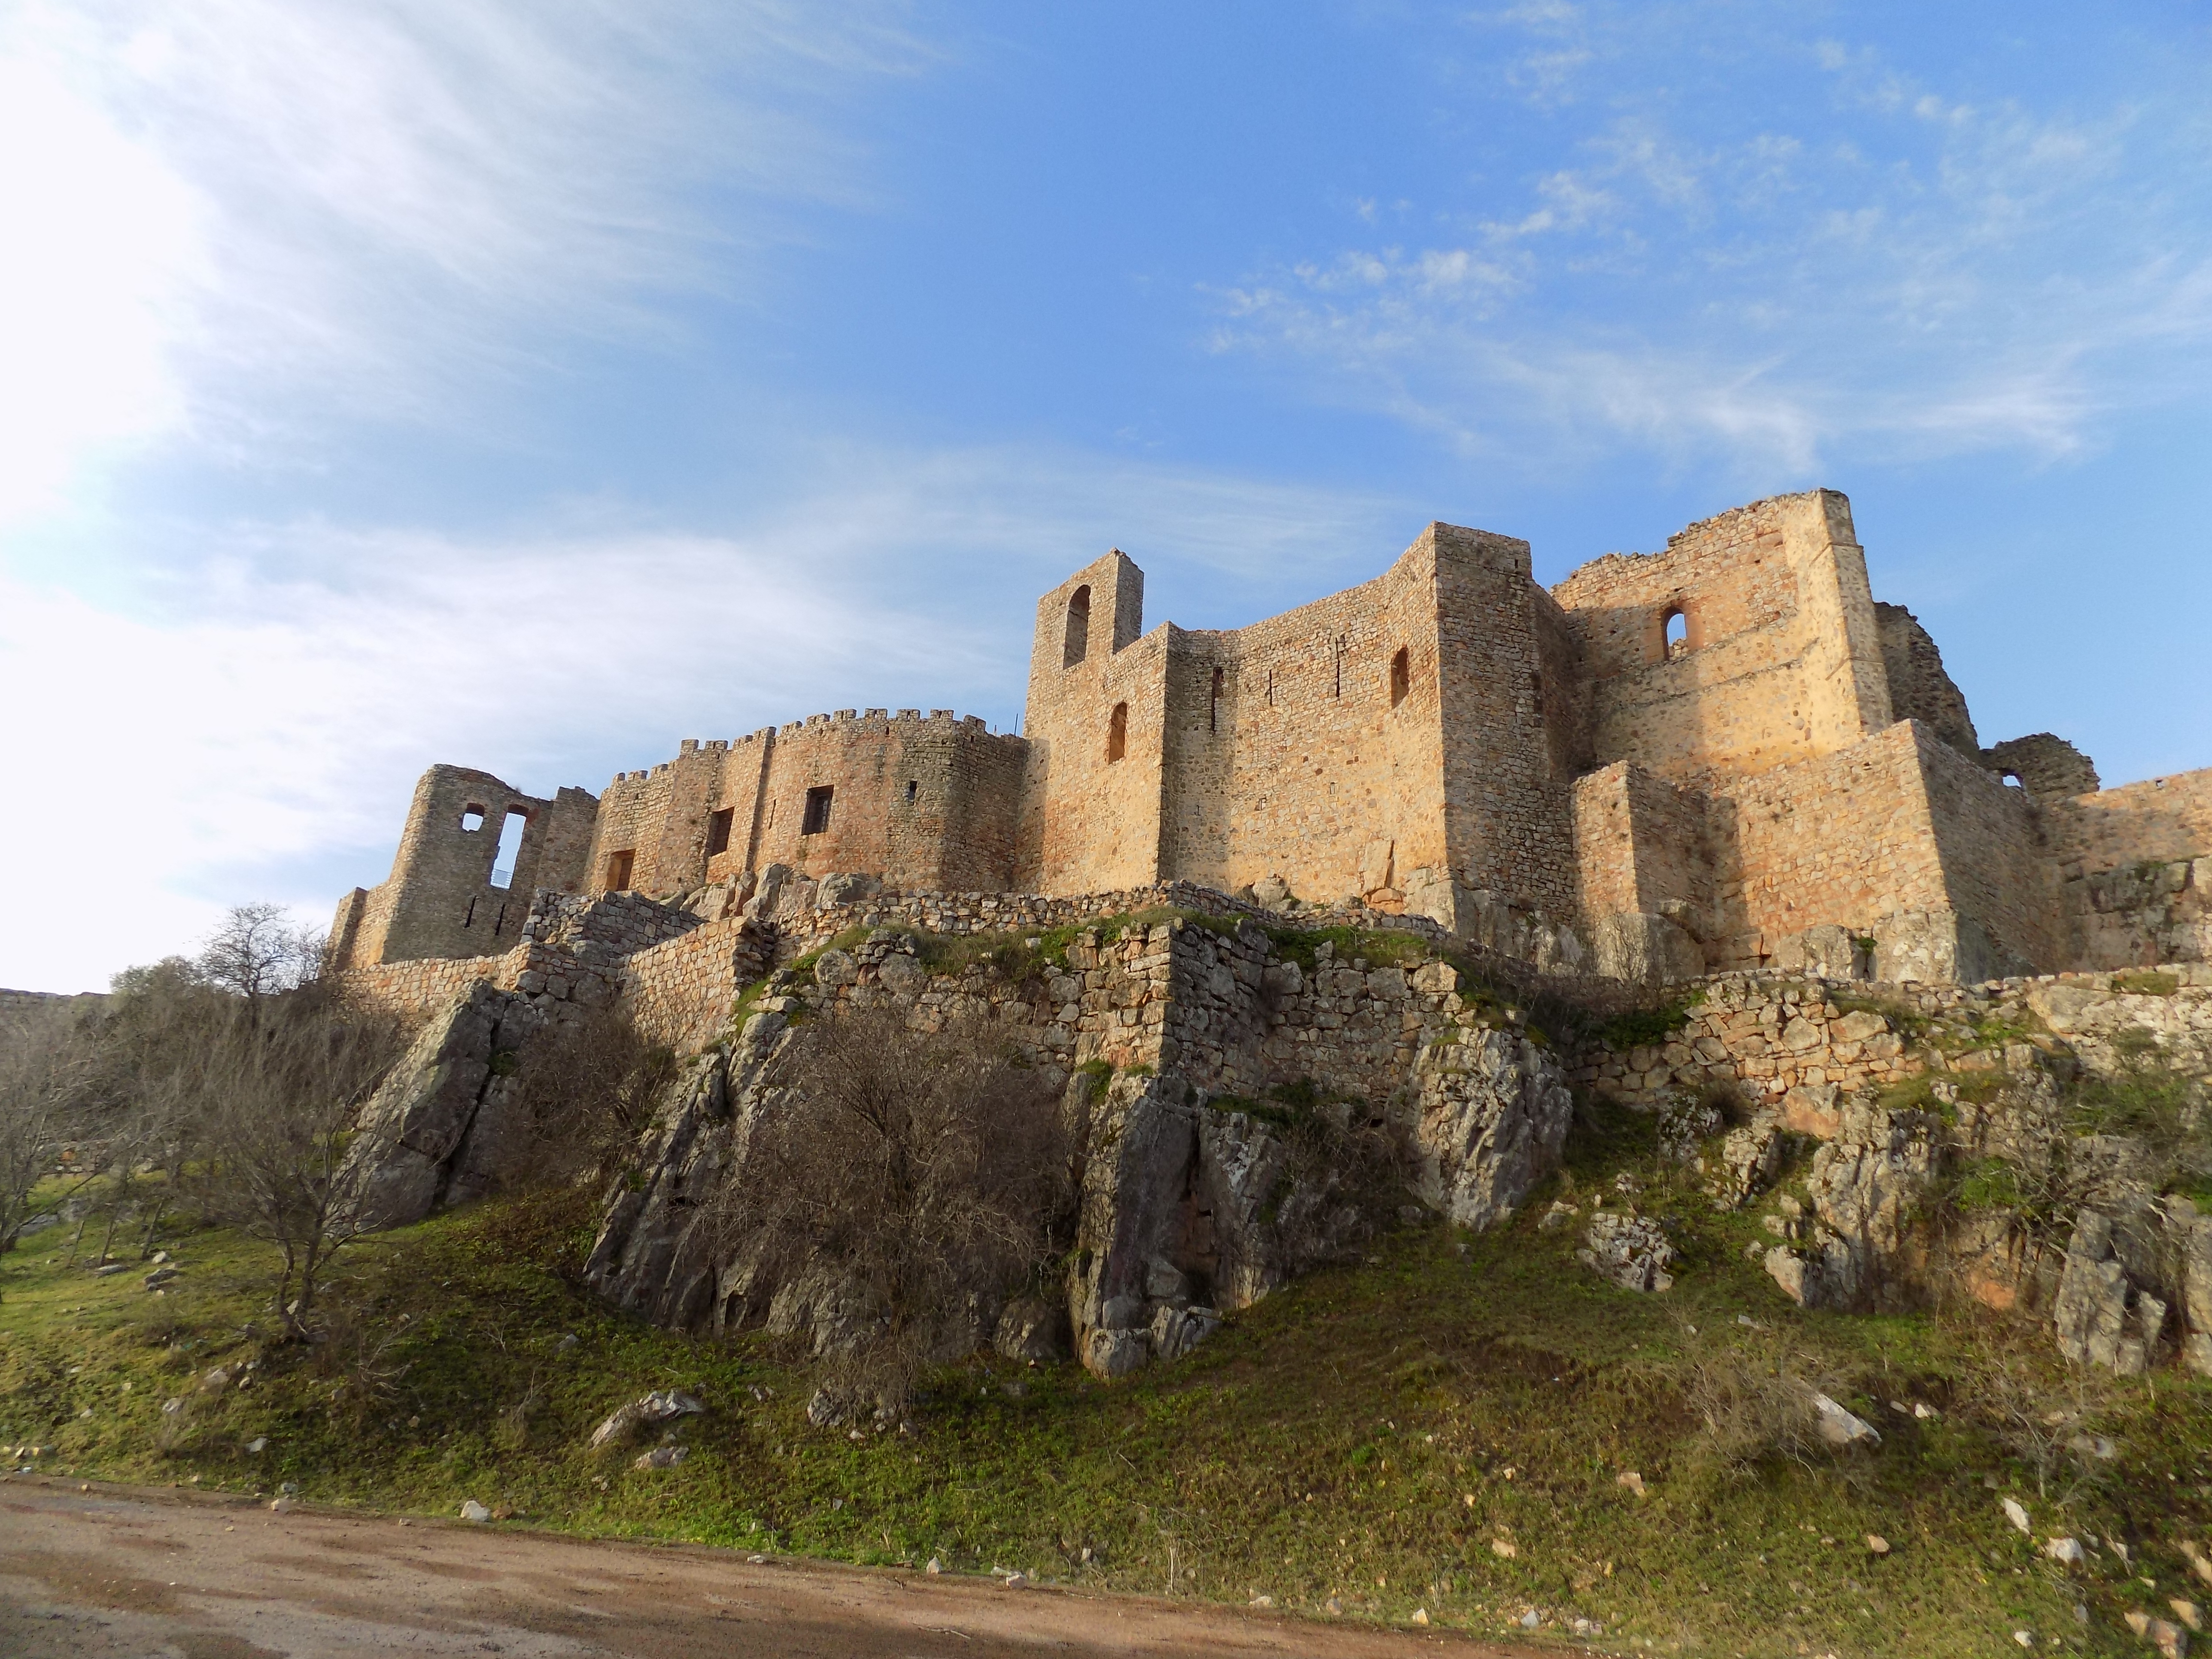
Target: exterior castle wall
pixel 1545 774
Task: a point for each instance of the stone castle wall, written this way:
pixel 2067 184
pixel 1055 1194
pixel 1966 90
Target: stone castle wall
pixel 1782 659
pixel 1542 773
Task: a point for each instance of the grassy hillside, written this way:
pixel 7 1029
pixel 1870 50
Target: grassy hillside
pixel 1445 1429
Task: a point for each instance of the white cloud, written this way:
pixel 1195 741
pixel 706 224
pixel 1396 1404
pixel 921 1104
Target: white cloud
pixel 256 717
pixel 359 204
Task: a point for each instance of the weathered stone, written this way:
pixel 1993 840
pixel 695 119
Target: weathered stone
pixel 1494 1111
pixel 1628 1250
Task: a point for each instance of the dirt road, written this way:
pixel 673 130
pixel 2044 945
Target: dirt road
pixel 116 1572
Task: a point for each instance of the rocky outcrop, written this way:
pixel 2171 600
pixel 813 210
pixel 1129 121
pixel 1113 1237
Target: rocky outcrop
pixel 1493 1111
pixel 1863 1244
pixel 1187 1210
pixel 444 1126
pixel 1644 950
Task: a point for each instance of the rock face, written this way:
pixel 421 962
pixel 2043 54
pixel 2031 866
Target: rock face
pixel 1187 1210
pixel 1861 1248
pixel 1493 1113
pixel 442 1127
pixel 1644 949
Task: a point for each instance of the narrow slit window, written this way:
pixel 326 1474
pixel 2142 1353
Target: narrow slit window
pixel 1536 692
pixel 913 788
pixel 1117 733
pixel 1076 645
pixel 1401 677
pixel 510 847
pixel 1338 690
pixel 1213 707
pixel 619 865
pixel 470 915
pixel 718 831
pixel 817 809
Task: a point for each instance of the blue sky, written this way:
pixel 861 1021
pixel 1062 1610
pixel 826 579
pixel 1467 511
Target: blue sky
pixel 530 383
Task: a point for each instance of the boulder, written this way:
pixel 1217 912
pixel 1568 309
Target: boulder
pixel 1746 1162
pixel 1864 1246
pixel 2100 1316
pixel 1032 1327
pixel 847 889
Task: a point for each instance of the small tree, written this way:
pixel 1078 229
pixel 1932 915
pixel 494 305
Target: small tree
pixel 46 1067
pixel 912 1171
pixel 258 952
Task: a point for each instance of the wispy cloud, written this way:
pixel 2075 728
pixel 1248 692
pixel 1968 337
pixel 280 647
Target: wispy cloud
pixel 363 205
pixel 255 715
pixel 1876 269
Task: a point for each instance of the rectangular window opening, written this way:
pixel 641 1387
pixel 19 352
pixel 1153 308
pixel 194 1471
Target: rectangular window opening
pixel 817 809
pixel 718 831
pixel 510 847
pixel 912 786
pixel 619 865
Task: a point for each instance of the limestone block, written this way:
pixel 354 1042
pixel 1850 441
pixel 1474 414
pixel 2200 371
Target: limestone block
pixel 1494 1111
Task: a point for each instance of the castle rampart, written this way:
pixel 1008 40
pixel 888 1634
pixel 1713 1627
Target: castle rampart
pixel 1722 755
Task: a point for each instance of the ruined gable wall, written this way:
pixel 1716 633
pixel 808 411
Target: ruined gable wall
pixel 1089 823
pixel 1919 688
pixel 1509 813
pixel 1308 771
pixel 439 900
pixel 955 830
pixel 1782 658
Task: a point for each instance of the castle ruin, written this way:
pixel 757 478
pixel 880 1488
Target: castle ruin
pixel 1727 755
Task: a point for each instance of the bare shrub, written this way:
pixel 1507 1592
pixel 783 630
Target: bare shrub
pixel 47 1067
pixel 586 1092
pixel 279 1084
pixel 1757 1402
pixel 2040 1414
pixel 906 1171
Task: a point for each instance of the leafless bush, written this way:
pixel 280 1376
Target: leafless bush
pixel 2040 1414
pixel 278 1086
pixel 586 1092
pixel 47 1064
pixel 910 1171
pixel 1757 1402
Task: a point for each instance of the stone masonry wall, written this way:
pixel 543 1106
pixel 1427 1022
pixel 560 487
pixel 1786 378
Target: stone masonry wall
pixel 1782 659
pixel 1790 1041
pixel 1841 839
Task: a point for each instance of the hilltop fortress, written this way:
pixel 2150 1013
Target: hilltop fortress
pixel 1726 754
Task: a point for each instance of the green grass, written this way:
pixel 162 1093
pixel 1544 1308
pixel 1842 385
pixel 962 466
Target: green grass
pixel 1366 1434
pixel 2147 983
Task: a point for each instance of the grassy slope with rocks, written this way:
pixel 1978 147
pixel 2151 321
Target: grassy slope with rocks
pixel 1445 1428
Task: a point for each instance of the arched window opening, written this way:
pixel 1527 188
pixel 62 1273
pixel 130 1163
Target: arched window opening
pixel 1078 643
pixel 1677 628
pixel 1213 707
pixel 1117 733
pixel 1401 677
